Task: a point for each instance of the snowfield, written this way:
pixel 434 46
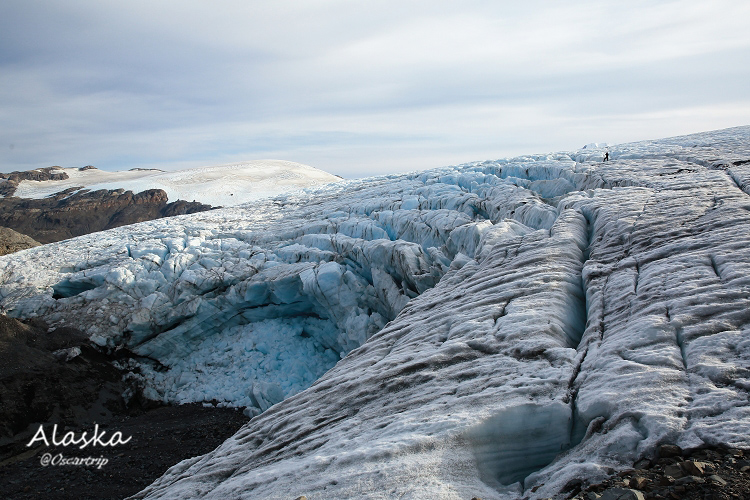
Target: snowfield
pixel 469 331
pixel 223 185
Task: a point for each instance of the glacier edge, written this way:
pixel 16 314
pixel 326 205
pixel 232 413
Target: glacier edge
pixel 601 308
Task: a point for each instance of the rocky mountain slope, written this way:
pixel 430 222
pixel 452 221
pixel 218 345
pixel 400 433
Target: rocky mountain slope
pixel 221 185
pixel 67 215
pixel 13 241
pixel 52 204
pixel 11 181
pixel 525 327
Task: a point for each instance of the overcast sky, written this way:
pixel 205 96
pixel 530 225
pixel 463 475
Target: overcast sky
pixel 359 88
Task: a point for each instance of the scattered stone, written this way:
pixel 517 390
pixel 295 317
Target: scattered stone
pixel 642 464
pixel 712 455
pixel 637 482
pixel 68 354
pixel 674 471
pixel 663 462
pixel 690 480
pixel 622 494
pixel 694 468
pixel 717 480
pixel 666 481
pixel 573 487
pixel 669 450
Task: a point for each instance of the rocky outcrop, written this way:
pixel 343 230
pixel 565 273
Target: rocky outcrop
pixel 76 212
pixel 13 241
pixel 11 180
pixel 710 472
pixel 182 207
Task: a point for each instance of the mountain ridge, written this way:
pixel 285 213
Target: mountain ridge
pixel 54 203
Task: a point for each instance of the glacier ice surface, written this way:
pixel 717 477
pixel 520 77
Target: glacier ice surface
pixel 475 330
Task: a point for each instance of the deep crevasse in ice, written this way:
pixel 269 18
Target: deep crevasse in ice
pixel 530 321
pixel 202 297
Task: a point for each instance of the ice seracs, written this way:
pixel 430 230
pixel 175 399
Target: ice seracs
pixel 501 326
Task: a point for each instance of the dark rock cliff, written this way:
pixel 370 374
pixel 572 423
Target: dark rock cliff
pixel 76 212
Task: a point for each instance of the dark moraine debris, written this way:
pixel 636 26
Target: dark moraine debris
pixel 709 472
pixel 57 377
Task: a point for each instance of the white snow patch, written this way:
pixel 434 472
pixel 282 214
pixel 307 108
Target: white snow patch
pixel 223 185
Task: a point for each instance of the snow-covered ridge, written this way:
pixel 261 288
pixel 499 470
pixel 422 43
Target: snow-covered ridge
pixel 506 325
pixel 223 185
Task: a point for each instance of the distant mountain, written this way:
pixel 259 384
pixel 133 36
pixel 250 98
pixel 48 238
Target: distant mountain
pixel 10 181
pixel 55 203
pixel 65 215
pixel 223 185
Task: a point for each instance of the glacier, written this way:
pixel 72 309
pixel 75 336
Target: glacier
pixel 221 185
pixel 495 329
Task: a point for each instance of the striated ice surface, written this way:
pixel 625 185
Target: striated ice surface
pixel 478 330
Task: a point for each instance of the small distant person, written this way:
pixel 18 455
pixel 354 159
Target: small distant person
pixel 606 156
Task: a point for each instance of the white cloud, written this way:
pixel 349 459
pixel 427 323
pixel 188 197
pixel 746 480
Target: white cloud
pixel 359 87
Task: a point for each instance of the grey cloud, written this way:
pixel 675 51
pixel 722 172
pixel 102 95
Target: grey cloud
pixel 357 88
